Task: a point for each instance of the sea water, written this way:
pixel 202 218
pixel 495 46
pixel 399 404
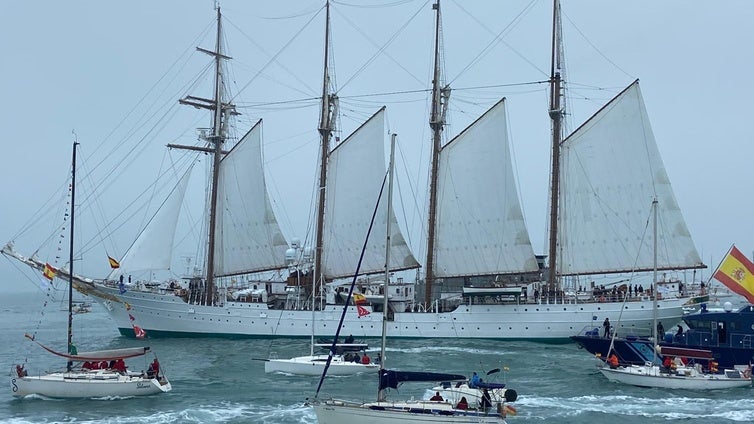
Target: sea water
pixel 223 381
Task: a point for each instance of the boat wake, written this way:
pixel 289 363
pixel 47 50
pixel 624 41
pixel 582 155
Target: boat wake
pixel 662 407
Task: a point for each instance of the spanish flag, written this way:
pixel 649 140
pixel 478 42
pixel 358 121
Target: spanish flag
pixel 359 299
pixel 49 272
pixel 737 273
pixel 113 263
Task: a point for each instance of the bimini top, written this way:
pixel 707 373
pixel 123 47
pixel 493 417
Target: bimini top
pixel 391 378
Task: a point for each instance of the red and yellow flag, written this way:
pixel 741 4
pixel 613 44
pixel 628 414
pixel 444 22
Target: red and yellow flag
pixel 113 263
pixel 359 299
pixel 49 272
pixel 737 273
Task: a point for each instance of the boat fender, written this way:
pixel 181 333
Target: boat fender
pixel 510 395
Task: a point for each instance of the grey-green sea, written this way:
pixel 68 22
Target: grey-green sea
pixel 223 381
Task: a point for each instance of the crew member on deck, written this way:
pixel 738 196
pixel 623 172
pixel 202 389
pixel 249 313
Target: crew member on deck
pixel 613 361
pixel 486 403
pixel 462 404
pixel 474 381
pixel 436 397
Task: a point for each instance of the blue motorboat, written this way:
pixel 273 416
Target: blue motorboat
pixel 726 333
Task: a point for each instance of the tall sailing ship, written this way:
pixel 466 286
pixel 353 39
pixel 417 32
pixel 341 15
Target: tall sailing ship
pixel 476 232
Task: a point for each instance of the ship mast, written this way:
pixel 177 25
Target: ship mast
pixel 216 137
pixel 325 131
pixel 437 124
pixel 556 113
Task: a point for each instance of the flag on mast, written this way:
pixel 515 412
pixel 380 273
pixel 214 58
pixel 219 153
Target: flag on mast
pixel 114 264
pixel 736 272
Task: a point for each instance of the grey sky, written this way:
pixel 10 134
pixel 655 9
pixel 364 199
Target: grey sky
pixel 84 65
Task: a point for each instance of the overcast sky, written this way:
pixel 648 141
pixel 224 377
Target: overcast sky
pixel 99 67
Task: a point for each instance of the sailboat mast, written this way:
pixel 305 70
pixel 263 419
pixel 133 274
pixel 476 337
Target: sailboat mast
pixel 437 124
pixel 556 117
pixel 381 393
pixel 654 277
pixel 70 251
pixel 217 137
pixel 325 131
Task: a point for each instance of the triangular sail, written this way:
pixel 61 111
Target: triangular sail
pixel 354 177
pixel 247 236
pixel 610 171
pixel 480 228
pixel 153 248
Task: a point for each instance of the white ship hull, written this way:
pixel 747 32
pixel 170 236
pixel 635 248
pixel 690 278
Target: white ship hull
pixel 651 376
pixel 86 385
pixel 315 365
pixel 340 412
pixel 167 315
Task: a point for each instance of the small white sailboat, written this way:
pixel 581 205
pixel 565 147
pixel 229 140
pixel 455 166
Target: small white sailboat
pixel 84 377
pixel 673 373
pixel 315 365
pixel 368 137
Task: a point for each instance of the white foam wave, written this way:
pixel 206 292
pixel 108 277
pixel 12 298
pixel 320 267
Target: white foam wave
pixel 667 407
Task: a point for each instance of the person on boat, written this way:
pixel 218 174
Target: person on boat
pixel 436 397
pixel 462 404
pixel 103 365
pixel 660 330
pixel 606 325
pixel 154 369
pixel 486 403
pixel 679 333
pixel 613 361
pixel 365 359
pixel 20 371
pixel 667 363
pixel 357 358
pixel 86 365
pixel 349 339
pixel 119 366
pixel 474 381
pixel 721 336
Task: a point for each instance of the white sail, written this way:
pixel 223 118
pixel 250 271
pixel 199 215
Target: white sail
pixel 480 228
pixel 153 248
pixel 248 237
pixel 610 172
pixel 355 175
